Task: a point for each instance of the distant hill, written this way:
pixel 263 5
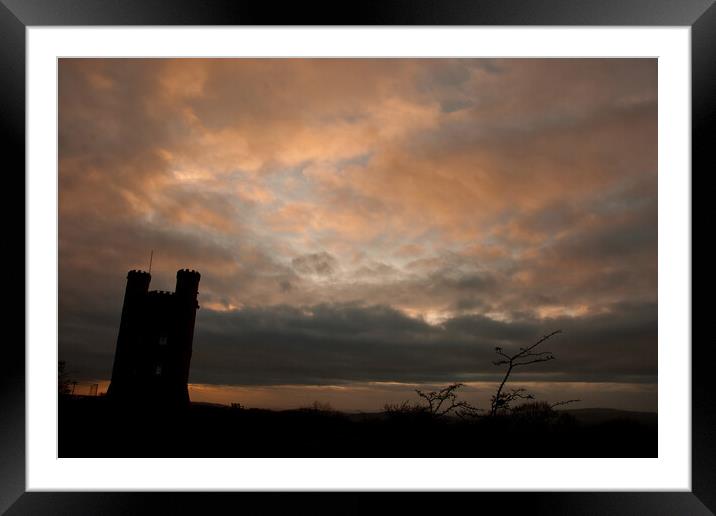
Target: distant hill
pixel 587 416
pixel 595 416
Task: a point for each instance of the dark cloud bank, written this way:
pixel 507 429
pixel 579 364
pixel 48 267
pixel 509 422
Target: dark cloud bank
pixel 343 343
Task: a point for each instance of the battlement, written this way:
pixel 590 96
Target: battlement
pixel 188 276
pixel 160 293
pixel 136 273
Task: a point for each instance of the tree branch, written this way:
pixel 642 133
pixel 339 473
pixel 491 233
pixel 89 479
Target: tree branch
pixel 500 400
pixel 565 402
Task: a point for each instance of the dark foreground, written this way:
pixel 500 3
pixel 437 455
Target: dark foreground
pixel 93 427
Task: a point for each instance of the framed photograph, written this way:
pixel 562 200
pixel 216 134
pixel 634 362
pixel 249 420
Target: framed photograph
pixel 416 248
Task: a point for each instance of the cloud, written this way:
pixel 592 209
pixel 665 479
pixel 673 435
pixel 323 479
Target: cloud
pixel 319 264
pixel 341 343
pixel 333 344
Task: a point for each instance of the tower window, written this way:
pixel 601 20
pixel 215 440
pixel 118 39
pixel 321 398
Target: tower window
pixel 163 340
pixel 158 370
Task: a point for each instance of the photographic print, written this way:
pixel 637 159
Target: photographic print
pixel 356 257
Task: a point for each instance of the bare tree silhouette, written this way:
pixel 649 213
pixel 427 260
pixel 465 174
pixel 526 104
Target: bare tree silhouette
pixel 526 356
pixel 438 404
pixel 444 401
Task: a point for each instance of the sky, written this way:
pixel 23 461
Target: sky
pixel 365 227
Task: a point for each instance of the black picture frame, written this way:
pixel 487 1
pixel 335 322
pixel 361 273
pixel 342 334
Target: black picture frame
pixel 17 15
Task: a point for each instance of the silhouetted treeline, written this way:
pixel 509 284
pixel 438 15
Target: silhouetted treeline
pixel 94 427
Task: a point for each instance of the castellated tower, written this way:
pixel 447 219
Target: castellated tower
pixel 151 362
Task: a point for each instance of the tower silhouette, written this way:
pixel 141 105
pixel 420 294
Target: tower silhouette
pixel 154 344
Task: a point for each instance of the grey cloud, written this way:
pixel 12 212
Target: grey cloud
pixel 343 343
pixel 455 104
pixel 320 264
pixel 376 271
pixel 329 344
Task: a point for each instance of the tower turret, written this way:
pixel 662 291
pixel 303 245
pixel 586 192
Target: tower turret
pixel 187 290
pixel 137 282
pixel 125 355
pixel 188 283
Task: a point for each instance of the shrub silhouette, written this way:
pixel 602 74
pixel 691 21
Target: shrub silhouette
pixel 537 411
pixel 322 407
pixel 407 412
pixel 438 404
pixel 540 415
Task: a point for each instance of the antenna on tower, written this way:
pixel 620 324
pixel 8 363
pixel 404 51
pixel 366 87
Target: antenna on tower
pixel 151 257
